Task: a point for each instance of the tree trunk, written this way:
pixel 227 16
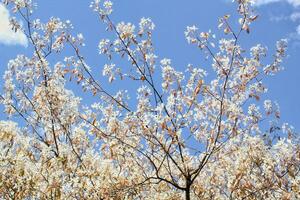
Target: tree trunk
pixel 188 188
pixel 187 193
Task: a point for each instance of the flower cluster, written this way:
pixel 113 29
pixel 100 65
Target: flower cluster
pixel 126 30
pixel 146 26
pixel 103 8
pixel 169 75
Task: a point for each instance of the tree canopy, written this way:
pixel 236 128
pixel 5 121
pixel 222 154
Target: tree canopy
pixel 180 135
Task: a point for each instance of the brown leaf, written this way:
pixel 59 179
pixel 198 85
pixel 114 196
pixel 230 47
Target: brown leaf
pixel 163 126
pixel 254 18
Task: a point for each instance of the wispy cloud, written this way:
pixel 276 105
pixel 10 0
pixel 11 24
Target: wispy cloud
pixel 294 3
pixel 7 35
pixel 294 17
pixel 262 2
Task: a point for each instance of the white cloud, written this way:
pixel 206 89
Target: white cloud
pixel 295 16
pixel 298 30
pixel 262 2
pixel 295 3
pixel 7 35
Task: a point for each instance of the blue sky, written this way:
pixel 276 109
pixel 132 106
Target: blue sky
pixel 171 17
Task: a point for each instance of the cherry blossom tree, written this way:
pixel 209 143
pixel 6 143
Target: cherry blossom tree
pixel 183 135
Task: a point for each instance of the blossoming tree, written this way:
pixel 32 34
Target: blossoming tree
pixel 186 136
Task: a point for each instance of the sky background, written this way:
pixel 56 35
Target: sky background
pixel 277 19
